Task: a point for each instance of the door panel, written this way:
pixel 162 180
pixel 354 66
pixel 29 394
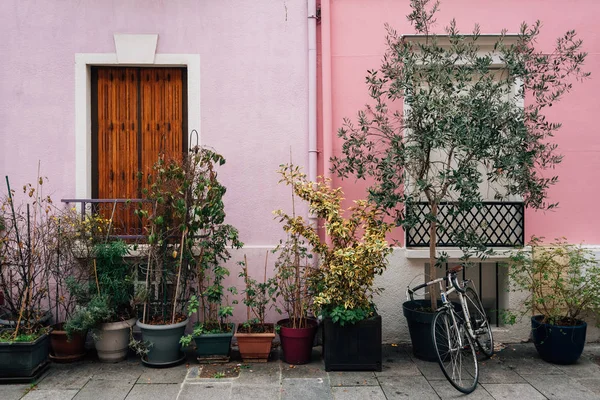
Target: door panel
pixel 136 114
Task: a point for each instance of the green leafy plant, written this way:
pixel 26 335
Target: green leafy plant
pixel 188 240
pixel 562 281
pixel 113 289
pixel 257 296
pixel 344 283
pixel 444 119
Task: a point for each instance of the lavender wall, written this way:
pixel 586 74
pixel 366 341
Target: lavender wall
pixel 253 88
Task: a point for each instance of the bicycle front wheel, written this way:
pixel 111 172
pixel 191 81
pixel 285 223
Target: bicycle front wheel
pixel 479 323
pixel 455 351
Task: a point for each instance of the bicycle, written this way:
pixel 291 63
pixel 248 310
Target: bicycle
pixel 454 332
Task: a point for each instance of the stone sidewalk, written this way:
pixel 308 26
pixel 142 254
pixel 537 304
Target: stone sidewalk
pixel 514 373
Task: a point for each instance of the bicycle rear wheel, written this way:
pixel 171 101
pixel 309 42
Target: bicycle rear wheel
pixel 479 322
pixel 455 351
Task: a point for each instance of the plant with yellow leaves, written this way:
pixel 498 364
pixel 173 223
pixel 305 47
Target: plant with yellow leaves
pixel 343 285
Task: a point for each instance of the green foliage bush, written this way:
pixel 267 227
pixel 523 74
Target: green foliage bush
pixel 562 281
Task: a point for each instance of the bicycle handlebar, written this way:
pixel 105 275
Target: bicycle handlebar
pixel 450 273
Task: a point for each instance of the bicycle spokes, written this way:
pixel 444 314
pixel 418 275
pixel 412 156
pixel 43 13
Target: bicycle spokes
pixel 455 351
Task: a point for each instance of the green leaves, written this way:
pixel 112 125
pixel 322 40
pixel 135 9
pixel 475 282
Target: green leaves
pixel 358 247
pixel 562 282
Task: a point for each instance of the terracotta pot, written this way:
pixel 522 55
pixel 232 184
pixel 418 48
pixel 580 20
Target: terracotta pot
pixel 255 347
pixel 297 343
pixel 63 349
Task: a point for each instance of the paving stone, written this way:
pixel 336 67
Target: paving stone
pixel 123 371
pixel 52 394
pixel 71 378
pixel 583 368
pixel 560 387
pixel 348 378
pixel 163 375
pixel 167 391
pixel 261 374
pixel 446 391
pixel 306 389
pixel 529 366
pixel 512 391
pixel 110 389
pixel 358 392
pixel 430 370
pixel 205 391
pixel 592 383
pixel 407 387
pixel 13 392
pixel 496 372
pixel 312 370
pixel 255 392
pixel 398 367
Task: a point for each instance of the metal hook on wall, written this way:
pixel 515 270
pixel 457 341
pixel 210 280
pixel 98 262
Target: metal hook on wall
pixel 192 133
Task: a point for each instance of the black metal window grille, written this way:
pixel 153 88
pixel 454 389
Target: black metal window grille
pixel 498 224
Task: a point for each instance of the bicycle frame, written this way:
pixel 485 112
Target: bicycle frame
pixel 453 287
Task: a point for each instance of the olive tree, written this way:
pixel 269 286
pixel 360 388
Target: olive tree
pixel 448 114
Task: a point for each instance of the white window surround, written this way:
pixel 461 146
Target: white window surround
pixel 486 46
pixel 83 108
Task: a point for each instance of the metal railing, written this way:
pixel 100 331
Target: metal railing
pixel 125 223
pixel 497 224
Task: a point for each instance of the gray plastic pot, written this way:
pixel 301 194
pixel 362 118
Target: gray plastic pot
pixel 165 348
pixel 112 340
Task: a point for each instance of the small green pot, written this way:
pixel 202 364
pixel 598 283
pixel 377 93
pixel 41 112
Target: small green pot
pixel 214 345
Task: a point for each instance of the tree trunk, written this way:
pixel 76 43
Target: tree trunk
pixel 434 289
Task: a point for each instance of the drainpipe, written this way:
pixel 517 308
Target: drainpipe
pixel 328 132
pixel 312 96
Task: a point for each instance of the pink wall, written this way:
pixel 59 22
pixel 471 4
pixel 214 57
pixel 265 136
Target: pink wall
pixel 253 88
pixel 358 43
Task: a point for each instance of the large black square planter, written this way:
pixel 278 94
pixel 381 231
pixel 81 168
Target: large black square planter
pixel 352 347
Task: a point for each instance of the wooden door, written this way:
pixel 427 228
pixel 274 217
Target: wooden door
pixel 137 113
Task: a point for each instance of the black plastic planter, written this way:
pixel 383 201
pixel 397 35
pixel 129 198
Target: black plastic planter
pixel 352 347
pixel 419 327
pixel 24 361
pixel 558 344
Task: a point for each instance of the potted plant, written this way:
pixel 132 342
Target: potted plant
pixel 24 272
pixel 344 282
pixel 109 313
pixel 293 271
pixel 255 337
pixel 73 284
pixel 213 332
pixel 444 119
pixel 187 243
pixel 562 282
